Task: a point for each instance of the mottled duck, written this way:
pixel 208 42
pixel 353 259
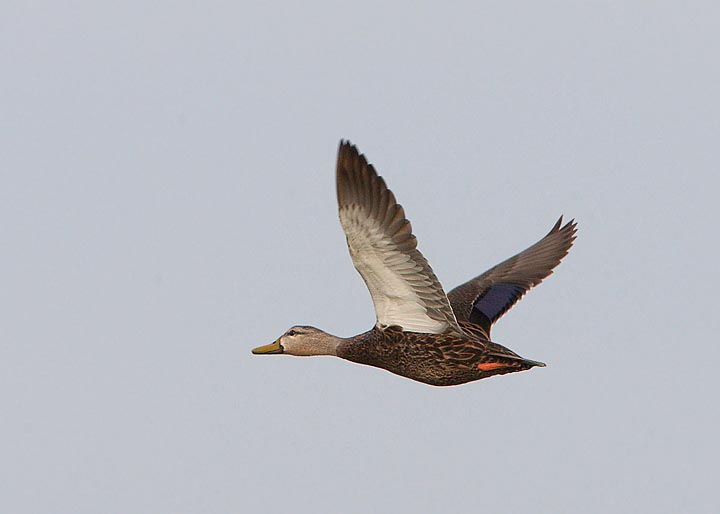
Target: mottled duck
pixel 421 333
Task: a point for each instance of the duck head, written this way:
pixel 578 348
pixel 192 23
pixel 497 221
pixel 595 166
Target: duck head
pixel 302 341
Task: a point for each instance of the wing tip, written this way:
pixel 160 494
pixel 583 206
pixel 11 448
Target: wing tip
pixel 358 181
pixel 570 226
pixel 568 231
pixel 346 146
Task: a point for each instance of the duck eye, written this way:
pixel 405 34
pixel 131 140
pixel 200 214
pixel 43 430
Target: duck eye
pixel 291 332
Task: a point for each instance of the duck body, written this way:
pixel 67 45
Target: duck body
pixel 434 359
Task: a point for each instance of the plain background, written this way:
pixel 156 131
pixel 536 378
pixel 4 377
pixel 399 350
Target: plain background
pixel 167 203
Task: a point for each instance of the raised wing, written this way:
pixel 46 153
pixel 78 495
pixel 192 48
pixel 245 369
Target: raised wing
pixel 404 289
pixel 484 299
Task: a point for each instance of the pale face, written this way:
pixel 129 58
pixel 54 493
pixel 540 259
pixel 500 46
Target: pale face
pixel 302 341
pixel 297 340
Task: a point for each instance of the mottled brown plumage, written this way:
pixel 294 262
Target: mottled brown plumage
pixel 421 333
pixel 435 359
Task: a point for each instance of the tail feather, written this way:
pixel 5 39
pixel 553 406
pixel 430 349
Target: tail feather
pixel 512 358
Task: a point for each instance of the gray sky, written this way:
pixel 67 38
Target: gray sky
pixel 167 203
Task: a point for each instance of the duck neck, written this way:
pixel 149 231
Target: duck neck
pixel 327 345
pixel 357 348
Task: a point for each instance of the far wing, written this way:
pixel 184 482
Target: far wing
pixel 484 299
